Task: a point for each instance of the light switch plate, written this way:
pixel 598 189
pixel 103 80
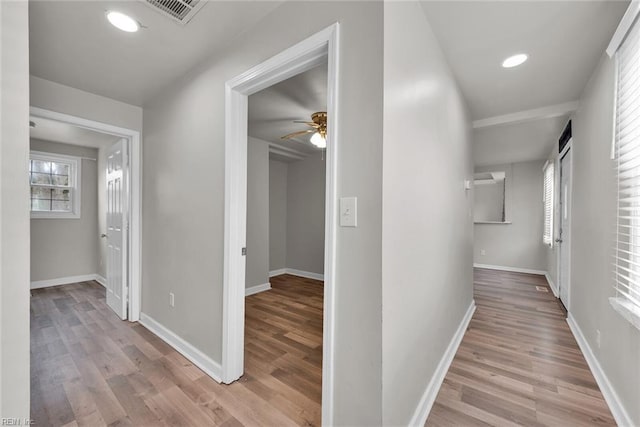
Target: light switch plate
pixel 348 212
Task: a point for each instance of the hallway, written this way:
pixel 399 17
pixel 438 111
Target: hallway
pixel 518 362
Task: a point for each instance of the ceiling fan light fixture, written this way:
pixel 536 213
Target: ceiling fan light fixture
pixel 122 22
pixel 319 140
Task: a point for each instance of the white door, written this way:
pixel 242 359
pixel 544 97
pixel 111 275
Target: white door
pixel 564 238
pixel 117 228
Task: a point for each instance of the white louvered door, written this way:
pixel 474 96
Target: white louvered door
pixel 117 229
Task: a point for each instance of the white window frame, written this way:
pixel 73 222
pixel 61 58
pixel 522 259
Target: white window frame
pixel 548 199
pixel 626 282
pixel 75 179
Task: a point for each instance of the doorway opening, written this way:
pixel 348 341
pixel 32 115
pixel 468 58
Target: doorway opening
pixel 317 50
pixel 85 207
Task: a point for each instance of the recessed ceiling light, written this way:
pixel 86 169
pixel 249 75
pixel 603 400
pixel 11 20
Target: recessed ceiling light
pixel 515 60
pixel 123 22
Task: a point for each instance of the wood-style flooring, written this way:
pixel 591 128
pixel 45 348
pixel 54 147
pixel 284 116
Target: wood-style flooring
pixel 89 368
pixel 518 363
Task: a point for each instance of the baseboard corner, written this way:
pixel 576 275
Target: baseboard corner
pixel 551 284
pixel 197 357
pixel 618 410
pixel 428 398
pixel 257 289
pixel 511 269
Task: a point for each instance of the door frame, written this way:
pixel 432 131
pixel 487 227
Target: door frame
pixel 134 192
pixel 315 50
pixel 564 152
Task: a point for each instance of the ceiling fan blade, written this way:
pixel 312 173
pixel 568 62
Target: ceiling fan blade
pixel 315 125
pixel 294 134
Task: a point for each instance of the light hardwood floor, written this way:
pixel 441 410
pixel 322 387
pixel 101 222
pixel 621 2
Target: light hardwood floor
pixel 518 363
pixel 90 368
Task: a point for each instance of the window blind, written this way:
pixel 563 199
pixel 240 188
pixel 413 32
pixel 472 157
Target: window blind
pixel 547 236
pixel 627 146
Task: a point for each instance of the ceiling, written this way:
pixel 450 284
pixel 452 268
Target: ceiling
pixel 517 142
pixel 51 130
pixel 273 110
pixel 72 43
pixel 564 41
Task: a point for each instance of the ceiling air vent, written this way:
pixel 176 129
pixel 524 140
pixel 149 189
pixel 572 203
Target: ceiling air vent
pixel 179 10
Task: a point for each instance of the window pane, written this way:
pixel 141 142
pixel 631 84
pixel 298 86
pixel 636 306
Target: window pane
pixel 60 194
pixel 40 205
pixel 61 206
pixel 40 166
pixel 60 180
pixel 40 178
pixel 40 193
pixel 59 169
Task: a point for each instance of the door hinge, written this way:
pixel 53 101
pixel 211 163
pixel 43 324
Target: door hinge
pixel 244 251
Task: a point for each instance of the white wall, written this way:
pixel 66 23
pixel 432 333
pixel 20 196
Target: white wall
pixel 183 201
pixel 257 261
pixel 592 230
pixel 14 210
pixel 68 247
pixel 277 215
pixel 489 201
pixel 64 99
pixel 519 244
pixel 305 214
pixel 427 214
pixel 67 100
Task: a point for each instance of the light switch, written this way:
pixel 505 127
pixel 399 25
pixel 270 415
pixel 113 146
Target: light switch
pixel 348 212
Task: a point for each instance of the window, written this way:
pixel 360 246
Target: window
pixel 547 199
pixel 627 156
pixel 55 187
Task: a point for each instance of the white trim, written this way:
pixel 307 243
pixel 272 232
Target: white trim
pixel 257 289
pixel 551 285
pixel 38 284
pixel 135 195
pixel 305 274
pixel 197 357
pixel 277 272
pixel 421 413
pixel 557 210
pixel 528 115
pixel 512 269
pixel 618 410
pixel 299 273
pixel 101 280
pixel 623 27
pixel 319 48
pixel 493 222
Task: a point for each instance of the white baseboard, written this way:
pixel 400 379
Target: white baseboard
pixel 512 269
pixel 618 411
pixel 66 280
pixel 305 274
pixel 198 358
pixel 431 392
pixel 551 285
pixel 277 272
pixel 257 289
pixel 101 280
pixel 299 273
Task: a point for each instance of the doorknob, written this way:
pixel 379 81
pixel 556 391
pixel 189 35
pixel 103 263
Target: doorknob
pixel 103 236
pixel 558 240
